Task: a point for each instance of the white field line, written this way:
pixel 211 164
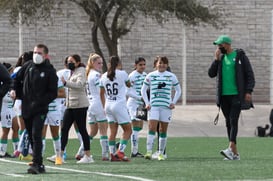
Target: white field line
pixel 11 174
pixel 81 171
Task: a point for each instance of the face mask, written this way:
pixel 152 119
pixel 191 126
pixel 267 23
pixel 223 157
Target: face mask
pixel 223 50
pixel 37 59
pixel 71 66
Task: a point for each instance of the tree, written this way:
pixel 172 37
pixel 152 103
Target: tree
pixel 114 18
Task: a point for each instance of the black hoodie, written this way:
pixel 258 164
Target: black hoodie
pixel 38 85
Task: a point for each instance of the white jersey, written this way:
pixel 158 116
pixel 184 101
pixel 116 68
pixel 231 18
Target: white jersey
pixel 160 85
pixel 56 103
pixel 136 80
pixel 7 101
pixel 66 73
pixel 93 86
pixel 115 90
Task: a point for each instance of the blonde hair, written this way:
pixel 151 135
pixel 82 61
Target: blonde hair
pixel 92 58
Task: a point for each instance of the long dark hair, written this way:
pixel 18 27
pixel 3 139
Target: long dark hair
pixel 114 62
pixel 26 56
pixel 77 58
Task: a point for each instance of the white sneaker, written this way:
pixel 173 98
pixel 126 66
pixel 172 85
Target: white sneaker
pixel 227 153
pixel 236 157
pixel 86 159
pixel 52 158
pixel 156 154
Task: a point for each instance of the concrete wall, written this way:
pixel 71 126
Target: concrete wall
pixel 248 23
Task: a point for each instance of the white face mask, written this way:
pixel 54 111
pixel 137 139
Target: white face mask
pixel 37 58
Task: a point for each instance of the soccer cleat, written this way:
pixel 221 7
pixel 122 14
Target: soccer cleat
pixel 28 157
pixel 86 159
pixel 114 158
pixel 122 156
pixel 235 157
pixel 78 157
pixel 79 154
pixel 58 160
pixel 161 157
pixel 64 156
pixel 148 155
pixel 139 155
pixel 16 153
pixel 227 153
pixel 105 158
pixel 52 158
pixel 155 155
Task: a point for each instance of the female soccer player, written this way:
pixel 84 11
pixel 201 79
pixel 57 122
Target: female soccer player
pixel 160 105
pixel 113 86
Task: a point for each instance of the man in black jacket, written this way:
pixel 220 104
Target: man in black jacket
pixel 37 80
pixel 235 83
pixel 5 82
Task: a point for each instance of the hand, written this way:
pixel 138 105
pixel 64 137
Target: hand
pixel 12 94
pixel 217 54
pixel 172 106
pixel 248 97
pixel 148 107
pixel 63 80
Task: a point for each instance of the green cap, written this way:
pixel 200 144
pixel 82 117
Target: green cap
pixel 222 39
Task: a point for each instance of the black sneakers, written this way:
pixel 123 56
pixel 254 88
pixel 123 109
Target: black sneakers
pixel 36 169
pixel 137 155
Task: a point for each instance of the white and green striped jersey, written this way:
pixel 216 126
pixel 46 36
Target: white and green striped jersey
pixel 136 80
pixel 160 85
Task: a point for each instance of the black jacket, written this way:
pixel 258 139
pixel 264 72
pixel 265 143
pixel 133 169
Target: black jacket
pixel 245 80
pixel 5 82
pixel 38 85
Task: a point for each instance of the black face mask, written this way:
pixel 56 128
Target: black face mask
pixel 223 50
pixel 71 66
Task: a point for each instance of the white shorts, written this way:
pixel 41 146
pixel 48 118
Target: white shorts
pixel 132 108
pixel 18 107
pixel 54 118
pixel 160 114
pixel 117 113
pixel 95 113
pixel 6 117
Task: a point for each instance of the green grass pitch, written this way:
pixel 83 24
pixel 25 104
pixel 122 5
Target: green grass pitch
pixel 188 159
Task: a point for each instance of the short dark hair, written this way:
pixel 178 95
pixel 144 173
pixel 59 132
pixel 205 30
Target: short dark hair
pixel 44 47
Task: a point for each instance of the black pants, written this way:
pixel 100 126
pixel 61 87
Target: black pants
pixel 231 108
pixel 34 126
pixel 79 116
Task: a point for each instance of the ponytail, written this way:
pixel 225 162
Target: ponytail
pixel 111 72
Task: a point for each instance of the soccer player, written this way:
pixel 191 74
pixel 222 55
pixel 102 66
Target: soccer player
pixel 113 95
pixel 136 79
pixel 95 113
pixel 53 119
pixel 160 105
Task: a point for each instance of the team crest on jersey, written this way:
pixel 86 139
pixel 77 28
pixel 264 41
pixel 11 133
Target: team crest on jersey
pixel 42 74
